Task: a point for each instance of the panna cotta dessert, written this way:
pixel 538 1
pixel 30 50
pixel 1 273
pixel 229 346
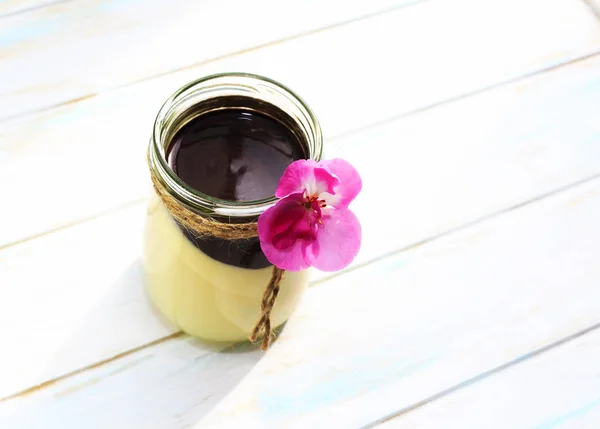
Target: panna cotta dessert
pixel 219 148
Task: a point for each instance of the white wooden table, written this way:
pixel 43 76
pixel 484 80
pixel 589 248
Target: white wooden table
pixel 475 300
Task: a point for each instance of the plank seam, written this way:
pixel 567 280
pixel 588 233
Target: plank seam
pixel 465 226
pixel 467 95
pixel 110 89
pixel 55 380
pixel 484 375
pixel 74 223
pixel 33 8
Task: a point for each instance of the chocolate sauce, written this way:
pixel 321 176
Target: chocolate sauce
pixel 235 155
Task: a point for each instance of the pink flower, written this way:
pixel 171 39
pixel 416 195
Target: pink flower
pixel 311 224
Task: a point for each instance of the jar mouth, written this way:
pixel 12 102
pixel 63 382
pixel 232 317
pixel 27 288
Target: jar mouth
pixel 249 91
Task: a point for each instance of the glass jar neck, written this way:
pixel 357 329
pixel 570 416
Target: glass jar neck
pixel 228 91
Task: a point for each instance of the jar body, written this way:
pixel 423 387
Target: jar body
pixel 210 286
pixel 203 296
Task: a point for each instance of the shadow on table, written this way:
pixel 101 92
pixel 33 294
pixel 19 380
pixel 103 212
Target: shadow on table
pixel 172 382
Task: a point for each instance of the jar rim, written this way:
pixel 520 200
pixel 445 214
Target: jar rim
pixel 214 86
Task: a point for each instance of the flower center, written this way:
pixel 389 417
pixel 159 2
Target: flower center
pixel 312 202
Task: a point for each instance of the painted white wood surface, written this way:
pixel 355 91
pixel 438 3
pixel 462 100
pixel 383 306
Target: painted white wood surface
pixel 77 49
pixel 13 7
pixel 383 338
pixel 559 389
pixel 508 138
pixel 77 296
pixel 173 384
pixel 78 312
pixel 368 343
pixel 83 139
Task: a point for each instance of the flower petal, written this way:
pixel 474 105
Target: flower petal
pixel 302 229
pixel 337 243
pixel 291 259
pixel 283 231
pixel 285 214
pixel 306 175
pixel 349 186
pixel 294 177
pixel 324 182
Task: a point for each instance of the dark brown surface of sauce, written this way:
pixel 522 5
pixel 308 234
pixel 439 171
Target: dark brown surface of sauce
pixel 235 155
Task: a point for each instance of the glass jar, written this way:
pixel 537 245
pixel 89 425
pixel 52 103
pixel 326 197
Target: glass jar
pixel 195 281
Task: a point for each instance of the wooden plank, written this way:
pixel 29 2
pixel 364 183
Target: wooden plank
pixel 86 287
pixel 89 46
pixel 507 138
pixel 85 137
pixel 558 389
pixel 201 378
pixel 91 34
pixel 386 337
pixel 462 161
pixel 368 343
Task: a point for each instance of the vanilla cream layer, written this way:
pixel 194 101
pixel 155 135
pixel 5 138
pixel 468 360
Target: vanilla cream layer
pixel 205 297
